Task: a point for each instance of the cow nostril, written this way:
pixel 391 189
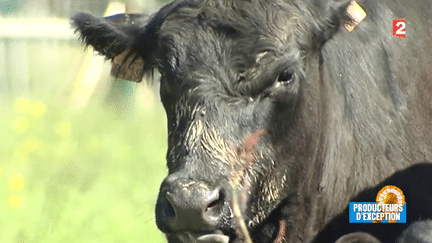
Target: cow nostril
pixel 213 204
pixel 169 209
pixel 217 201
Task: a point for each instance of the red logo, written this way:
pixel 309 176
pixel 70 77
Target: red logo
pixel 399 26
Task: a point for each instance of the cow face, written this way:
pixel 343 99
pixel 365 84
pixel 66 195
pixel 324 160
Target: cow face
pixel 241 110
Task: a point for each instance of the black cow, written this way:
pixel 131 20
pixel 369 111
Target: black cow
pixel 279 111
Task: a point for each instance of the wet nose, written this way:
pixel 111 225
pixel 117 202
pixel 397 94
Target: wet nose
pixel 188 205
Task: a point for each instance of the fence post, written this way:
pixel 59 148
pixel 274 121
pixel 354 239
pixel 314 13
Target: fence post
pixel 4 86
pixel 19 67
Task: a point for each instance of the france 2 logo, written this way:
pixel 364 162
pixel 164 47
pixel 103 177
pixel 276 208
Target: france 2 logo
pixel 399 26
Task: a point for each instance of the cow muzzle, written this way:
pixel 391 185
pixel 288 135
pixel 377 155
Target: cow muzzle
pixel 190 211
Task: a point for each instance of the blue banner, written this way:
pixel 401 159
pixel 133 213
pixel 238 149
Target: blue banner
pixel 370 212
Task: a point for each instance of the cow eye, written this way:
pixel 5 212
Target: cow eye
pixel 286 76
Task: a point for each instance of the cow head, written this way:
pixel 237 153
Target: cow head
pixel 240 86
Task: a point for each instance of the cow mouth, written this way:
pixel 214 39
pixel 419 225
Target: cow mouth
pixel 216 238
pixel 213 237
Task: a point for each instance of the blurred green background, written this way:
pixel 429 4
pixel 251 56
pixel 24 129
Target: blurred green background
pixel 81 155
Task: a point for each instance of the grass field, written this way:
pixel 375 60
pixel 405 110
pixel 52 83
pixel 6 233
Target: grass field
pixel 89 176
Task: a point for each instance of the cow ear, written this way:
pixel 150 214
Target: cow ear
pixel 129 40
pixel 115 37
pixel 332 16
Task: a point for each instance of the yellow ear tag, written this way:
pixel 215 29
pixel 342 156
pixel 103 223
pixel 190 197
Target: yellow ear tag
pixel 356 14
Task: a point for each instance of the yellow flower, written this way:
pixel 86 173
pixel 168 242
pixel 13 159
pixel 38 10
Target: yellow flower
pixel 14 202
pixel 63 129
pixel 16 183
pixel 38 108
pixel 0 171
pixel 22 105
pixel 21 125
pixel 30 145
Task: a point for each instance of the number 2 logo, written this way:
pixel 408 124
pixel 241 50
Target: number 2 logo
pixel 399 26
